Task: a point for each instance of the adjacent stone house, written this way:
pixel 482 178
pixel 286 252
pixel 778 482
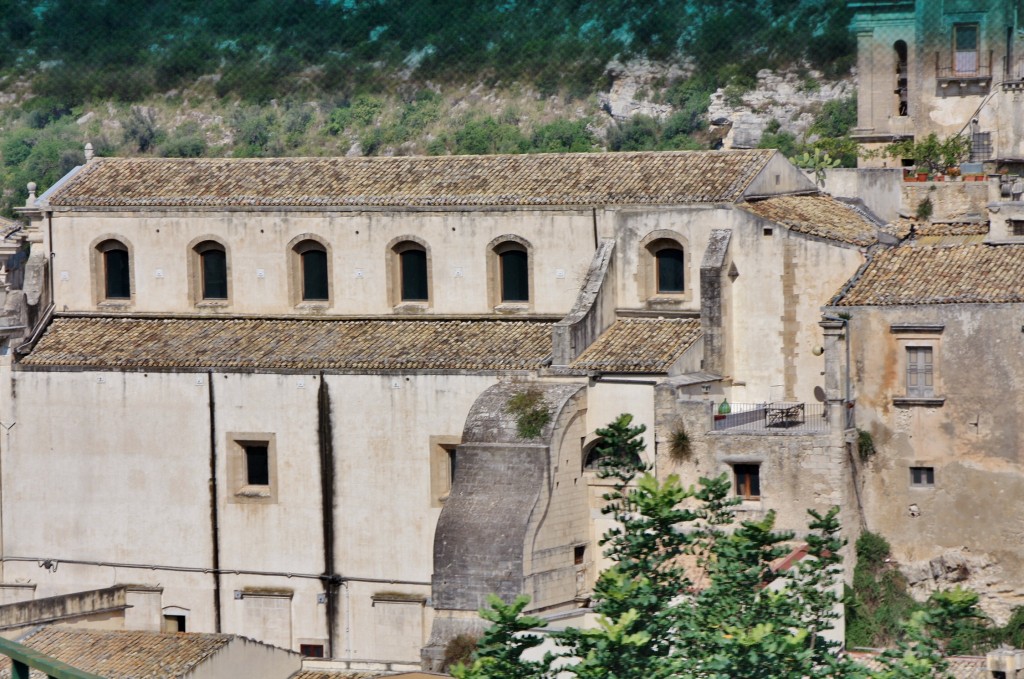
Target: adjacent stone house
pixel 280 388
pixel 934 338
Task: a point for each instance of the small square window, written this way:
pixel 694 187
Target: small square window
pixel 174 623
pixel 922 477
pixel 257 464
pixel 252 467
pixel 1016 227
pixel 748 481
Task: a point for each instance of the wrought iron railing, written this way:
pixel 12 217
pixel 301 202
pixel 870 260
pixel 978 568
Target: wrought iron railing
pixel 781 416
pixel 963 66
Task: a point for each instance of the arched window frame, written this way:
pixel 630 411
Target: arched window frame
pixel 197 281
pixel 297 249
pixel 396 276
pixel 650 290
pixel 101 247
pixel 496 249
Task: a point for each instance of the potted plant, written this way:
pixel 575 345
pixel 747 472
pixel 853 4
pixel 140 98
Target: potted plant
pixel 922 173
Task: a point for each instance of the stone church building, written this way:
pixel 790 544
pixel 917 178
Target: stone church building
pixel 275 394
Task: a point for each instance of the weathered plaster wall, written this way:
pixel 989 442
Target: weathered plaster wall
pixel 562 245
pixel 114 467
pixel 950 200
pixel 878 188
pixel 972 439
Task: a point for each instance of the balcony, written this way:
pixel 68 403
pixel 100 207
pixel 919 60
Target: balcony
pixel 782 417
pixel 964 72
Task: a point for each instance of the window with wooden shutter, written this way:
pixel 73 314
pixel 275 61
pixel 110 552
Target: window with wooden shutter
pixel 920 372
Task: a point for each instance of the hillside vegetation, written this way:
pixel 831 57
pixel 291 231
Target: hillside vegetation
pixel 315 77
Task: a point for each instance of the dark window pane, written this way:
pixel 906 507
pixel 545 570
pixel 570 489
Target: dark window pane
pixel 314 274
pixel 414 275
pixel 670 270
pixel 967 38
pixel 257 464
pixel 748 480
pixel 515 277
pixel 118 281
pixel 215 274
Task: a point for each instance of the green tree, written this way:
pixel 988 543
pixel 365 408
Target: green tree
pixel 729 613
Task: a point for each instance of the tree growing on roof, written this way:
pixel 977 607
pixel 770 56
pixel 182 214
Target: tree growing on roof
pixel 693 594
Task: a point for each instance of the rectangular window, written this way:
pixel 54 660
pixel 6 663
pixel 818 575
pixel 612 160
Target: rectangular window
pixel 444 460
pixel 748 481
pixel 252 467
pixel 922 477
pixel 965 49
pixel 312 650
pixel 174 623
pixel 920 372
pixel 257 464
pixel 1017 227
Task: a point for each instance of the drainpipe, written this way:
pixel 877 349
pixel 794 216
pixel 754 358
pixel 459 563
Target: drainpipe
pixel 214 518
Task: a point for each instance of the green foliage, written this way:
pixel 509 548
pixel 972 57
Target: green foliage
pixel 459 651
pixel 865 445
pixel 499 651
pixel 785 142
pixel 563 136
pixel 930 153
pixel 679 446
pixel 187 141
pixel 141 129
pixel 836 119
pixel 817 162
pixel 878 602
pixel 643 133
pixel 487 135
pixel 924 209
pixel 254 128
pixel 531 412
pixel 729 612
pixel 42 156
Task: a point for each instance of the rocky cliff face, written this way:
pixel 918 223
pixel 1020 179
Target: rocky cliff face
pixel 792 98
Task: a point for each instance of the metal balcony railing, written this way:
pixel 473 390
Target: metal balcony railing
pixel 963 66
pixel 770 418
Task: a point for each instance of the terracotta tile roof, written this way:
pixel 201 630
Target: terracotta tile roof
pixel 901 228
pixel 132 343
pixel 960 666
pixel 820 215
pixel 331 674
pixel 640 345
pixel 537 179
pixel 120 654
pixel 959 274
pixel 9 226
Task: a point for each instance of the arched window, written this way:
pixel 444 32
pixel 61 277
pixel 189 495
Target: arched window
pixel 213 270
pixel 117 282
pixel 596 456
pixel 412 263
pixel 670 268
pixel 515 272
pixel 314 271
